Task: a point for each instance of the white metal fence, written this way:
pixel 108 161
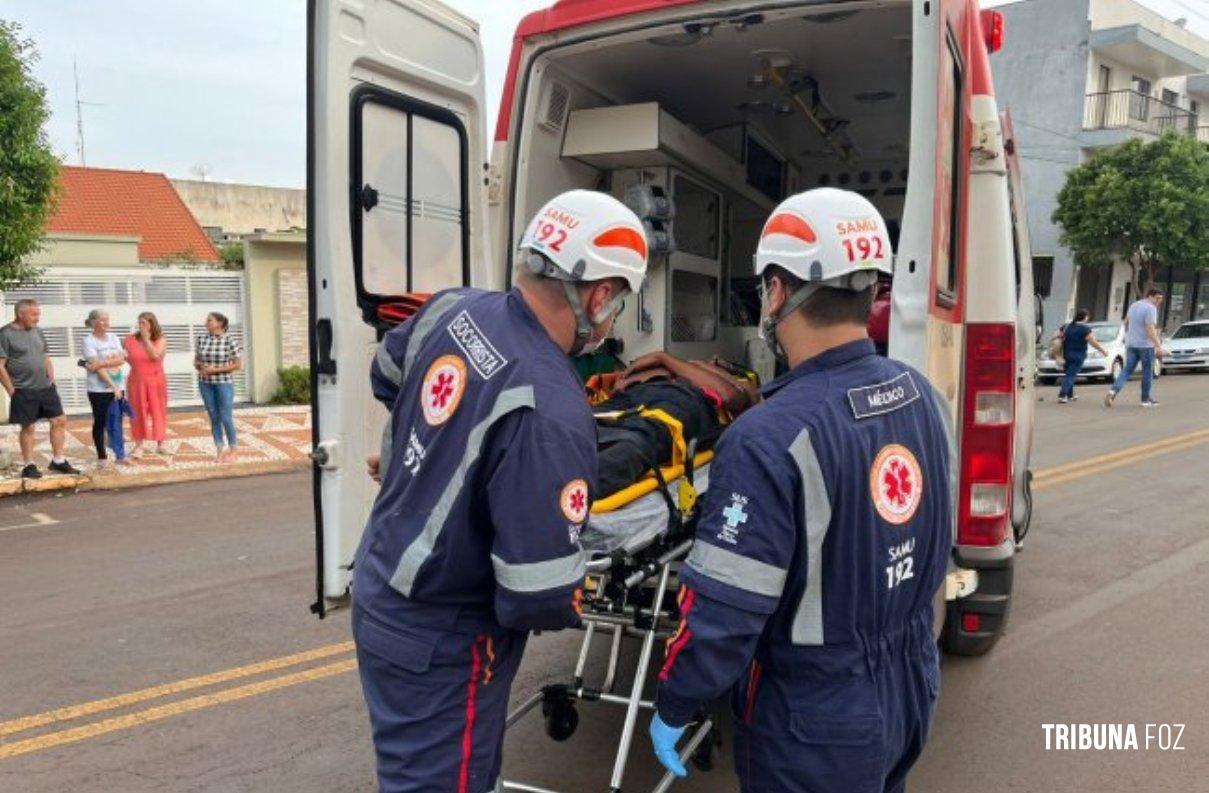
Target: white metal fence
pixel 179 297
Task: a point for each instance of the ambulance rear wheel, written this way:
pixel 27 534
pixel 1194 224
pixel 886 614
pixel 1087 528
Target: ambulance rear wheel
pixel 561 721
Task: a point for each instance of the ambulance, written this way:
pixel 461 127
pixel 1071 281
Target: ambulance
pixel 701 115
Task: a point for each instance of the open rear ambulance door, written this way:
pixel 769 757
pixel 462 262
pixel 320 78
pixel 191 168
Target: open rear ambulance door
pixel 1028 336
pixel 396 205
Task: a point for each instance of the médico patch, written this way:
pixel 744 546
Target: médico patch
pixel 442 389
pixel 896 484
pixel 874 400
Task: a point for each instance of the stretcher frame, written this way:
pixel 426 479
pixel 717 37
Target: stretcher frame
pixel 615 580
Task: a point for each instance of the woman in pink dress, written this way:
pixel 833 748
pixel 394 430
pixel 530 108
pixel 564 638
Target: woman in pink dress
pixel 148 387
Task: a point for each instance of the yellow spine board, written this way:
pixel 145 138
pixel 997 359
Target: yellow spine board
pixel 646 485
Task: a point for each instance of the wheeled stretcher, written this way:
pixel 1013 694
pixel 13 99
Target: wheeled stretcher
pixel 636 539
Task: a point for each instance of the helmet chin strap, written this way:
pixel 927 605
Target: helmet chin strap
pixel 583 326
pixel 857 282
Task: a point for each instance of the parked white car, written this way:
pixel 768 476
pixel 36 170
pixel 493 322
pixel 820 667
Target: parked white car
pixel 1188 347
pixel 1096 367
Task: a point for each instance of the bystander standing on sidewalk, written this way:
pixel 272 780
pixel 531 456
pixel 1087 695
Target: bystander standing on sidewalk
pixel 1076 336
pixel 148 385
pixel 1142 344
pixel 218 357
pixel 103 359
pixel 28 375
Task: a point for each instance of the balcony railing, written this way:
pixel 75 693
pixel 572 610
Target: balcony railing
pixel 1129 109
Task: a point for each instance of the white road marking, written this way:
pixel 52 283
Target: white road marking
pixel 40 519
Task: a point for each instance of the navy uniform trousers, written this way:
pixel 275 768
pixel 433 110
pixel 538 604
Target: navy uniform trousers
pixel 437 702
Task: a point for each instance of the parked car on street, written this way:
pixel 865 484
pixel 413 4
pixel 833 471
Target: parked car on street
pixel 1188 347
pixel 1111 334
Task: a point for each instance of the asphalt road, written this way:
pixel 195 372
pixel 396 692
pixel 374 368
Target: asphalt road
pixel 159 639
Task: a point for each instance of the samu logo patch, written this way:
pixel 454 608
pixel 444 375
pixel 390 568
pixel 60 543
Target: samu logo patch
pixel 574 501
pixel 896 484
pixel 442 389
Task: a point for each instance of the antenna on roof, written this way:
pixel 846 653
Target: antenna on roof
pixel 79 113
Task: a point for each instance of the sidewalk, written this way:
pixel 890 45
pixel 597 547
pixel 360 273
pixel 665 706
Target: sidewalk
pixel 271 439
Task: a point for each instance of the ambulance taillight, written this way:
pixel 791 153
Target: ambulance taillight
pixel 992 30
pixel 988 413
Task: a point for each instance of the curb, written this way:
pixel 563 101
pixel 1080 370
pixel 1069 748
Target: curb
pixel 16 487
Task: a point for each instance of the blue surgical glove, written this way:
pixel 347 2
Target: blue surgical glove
pixel 664 738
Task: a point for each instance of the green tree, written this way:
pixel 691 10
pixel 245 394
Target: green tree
pixel 1147 203
pixel 28 166
pixel 232 255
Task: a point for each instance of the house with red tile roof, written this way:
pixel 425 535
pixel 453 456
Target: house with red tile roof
pixel 125 242
pixel 109 202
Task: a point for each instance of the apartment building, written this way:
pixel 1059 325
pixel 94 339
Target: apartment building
pixel 1081 75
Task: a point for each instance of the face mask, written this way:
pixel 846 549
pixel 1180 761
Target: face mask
pixel 768 322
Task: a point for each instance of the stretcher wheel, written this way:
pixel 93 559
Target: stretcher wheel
pixel 561 720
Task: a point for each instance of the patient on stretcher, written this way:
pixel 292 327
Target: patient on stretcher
pixel 661 410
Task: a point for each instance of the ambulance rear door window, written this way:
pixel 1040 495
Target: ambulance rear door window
pixel 409 202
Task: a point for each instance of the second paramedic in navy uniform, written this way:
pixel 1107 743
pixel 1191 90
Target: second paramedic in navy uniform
pixel 487 467
pixel 824 535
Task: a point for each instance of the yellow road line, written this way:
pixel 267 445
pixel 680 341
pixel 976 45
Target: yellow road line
pixel 122 700
pixel 1121 454
pixel 159 712
pixel 1068 473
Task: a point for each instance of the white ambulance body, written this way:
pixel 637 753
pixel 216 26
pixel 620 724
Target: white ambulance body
pixel 710 111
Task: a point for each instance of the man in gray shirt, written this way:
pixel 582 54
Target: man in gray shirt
pixel 1142 344
pixel 28 375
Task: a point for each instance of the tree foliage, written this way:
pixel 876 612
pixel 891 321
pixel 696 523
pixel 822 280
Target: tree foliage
pixel 232 255
pixel 28 167
pixel 1147 203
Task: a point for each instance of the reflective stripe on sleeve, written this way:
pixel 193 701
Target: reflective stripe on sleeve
pixel 387 366
pixel 736 570
pixel 540 576
pixel 422 546
pixel 808 620
pixel 393 372
pixel 437 309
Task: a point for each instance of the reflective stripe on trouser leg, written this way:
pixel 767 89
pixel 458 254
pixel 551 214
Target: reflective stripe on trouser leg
pixel 808 620
pixel 423 545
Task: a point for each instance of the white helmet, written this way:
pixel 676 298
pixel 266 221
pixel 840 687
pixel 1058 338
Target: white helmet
pixel 824 237
pixel 587 236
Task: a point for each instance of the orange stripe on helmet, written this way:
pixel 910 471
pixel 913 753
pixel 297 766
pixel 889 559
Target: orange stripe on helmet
pixel 792 225
pixel 622 237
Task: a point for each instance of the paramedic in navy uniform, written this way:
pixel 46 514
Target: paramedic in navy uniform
pixel 486 469
pixel 824 534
